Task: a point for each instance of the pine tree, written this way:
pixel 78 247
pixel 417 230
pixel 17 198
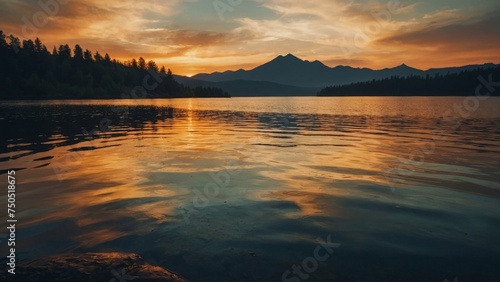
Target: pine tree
pixel 141 64
pixel 87 55
pixel 78 52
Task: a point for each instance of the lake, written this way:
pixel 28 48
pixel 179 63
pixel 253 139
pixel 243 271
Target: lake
pixel 251 189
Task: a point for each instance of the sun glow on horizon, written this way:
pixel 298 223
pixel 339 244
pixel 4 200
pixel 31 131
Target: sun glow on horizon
pixel 191 37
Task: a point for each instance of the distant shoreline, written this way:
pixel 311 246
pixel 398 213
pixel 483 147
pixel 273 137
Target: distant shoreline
pixel 178 98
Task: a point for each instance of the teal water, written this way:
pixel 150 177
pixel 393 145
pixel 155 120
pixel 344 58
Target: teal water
pixel 240 189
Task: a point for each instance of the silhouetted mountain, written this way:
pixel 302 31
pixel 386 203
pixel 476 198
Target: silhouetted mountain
pixel 401 70
pixel 453 70
pixel 290 70
pixel 281 70
pixel 287 70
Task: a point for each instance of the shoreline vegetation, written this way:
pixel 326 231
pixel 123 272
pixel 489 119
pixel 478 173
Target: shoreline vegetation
pixel 30 72
pixel 464 83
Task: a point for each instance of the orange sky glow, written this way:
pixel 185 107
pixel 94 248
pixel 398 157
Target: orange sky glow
pixel 202 36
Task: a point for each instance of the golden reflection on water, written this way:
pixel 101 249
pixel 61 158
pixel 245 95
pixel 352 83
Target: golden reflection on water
pixel 192 147
pixel 306 166
pixel 282 177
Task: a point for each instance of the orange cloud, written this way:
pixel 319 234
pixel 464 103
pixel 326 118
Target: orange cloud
pixel 476 41
pixel 361 34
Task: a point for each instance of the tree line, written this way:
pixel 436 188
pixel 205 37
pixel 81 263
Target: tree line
pixel 28 70
pixel 463 83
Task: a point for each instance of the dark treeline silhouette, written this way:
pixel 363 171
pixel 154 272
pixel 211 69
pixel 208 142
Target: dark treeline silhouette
pixel 458 84
pixel 29 71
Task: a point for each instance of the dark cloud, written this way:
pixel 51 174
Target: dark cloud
pixel 177 42
pixel 198 38
pixel 28 19
pixel 479 34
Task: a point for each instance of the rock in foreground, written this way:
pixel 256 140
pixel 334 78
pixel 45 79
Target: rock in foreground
pixel 106 267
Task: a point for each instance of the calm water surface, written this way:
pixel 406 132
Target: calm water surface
pixel 240 189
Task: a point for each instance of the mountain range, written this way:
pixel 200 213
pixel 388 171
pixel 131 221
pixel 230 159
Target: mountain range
pixel 292 76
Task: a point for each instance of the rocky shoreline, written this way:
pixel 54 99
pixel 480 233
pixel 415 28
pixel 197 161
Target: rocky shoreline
pixel 93 267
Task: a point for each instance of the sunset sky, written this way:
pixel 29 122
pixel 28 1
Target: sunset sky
pixel 194 36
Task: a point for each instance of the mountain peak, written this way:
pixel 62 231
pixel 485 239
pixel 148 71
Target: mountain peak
pixel 404 66
pixel 288 57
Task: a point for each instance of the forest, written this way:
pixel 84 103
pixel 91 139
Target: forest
pixel 30 71
pixel 463 83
